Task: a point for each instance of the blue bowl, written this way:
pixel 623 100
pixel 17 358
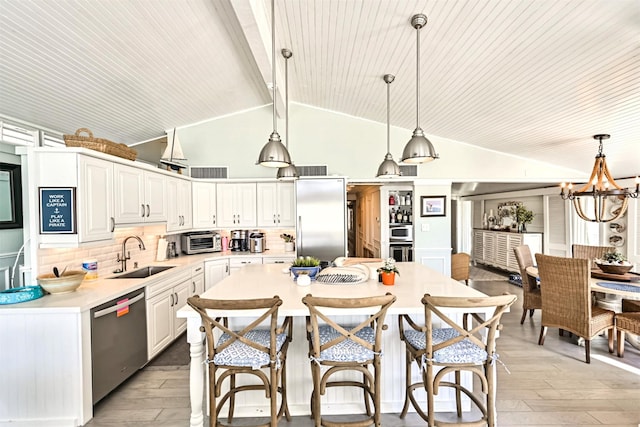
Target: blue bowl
pixel 312 272
pixel 22 294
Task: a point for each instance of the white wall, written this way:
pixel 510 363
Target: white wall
pixel 350 146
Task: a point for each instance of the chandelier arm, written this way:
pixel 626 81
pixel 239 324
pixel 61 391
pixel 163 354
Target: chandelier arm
pixel 594 174
pixel 601 203
pixel 612 182
pixel 578 208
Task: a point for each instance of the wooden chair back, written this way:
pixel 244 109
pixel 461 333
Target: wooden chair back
pixel 265 310
pixel 318 316
pixel 460 267
pixel 482 332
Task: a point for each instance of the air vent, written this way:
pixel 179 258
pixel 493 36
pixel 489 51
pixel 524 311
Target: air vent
pixel 408 170
pixel 49 140
pixel 209 172
pixel 311 170
pixel 16 135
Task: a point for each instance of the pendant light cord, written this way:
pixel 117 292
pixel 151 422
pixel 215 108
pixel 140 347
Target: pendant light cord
pixel 388 117
pixel 286 105
pixel 273 62
pixel 418 75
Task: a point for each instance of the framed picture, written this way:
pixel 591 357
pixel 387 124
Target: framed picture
pixel 57 210
pixel 433 205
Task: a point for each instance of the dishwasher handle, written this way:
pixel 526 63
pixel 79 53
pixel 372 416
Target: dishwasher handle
pixel 118 306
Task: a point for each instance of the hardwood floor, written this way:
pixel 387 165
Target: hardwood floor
pixel 547 385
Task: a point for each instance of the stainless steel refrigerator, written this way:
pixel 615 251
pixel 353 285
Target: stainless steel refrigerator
pixel 321 207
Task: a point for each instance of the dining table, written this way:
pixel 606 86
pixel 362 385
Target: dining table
pixel 266 280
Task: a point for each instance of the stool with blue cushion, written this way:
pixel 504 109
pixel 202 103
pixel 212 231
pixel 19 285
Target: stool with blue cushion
pixel 453 348
pixel 335 348
pixel 253 350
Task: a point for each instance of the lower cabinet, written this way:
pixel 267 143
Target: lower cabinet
pixel 279 260
pixel 197 280
pixel 162 324
pixel 215 271
pixel 238 262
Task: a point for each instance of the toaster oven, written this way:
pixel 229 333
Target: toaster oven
pixel 200 242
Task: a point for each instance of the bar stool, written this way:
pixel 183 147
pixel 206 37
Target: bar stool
pixel 341 348
pixel 248 351
pixel 453 349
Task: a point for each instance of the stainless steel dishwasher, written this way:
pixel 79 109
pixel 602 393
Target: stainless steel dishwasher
pixel 118 341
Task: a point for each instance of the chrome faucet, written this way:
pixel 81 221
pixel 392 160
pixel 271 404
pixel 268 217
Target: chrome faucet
pixel 127 255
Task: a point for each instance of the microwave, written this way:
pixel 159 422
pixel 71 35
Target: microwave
pixel 200 242
pixel 401 233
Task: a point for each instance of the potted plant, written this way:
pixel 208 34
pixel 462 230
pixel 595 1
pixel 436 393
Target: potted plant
pixel 305 265
pixel 388 271
pixel 613 263
pixel 289 242
pixel 523 216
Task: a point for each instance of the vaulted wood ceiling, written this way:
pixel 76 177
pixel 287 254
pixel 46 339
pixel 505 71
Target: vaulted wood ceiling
pixel 534 78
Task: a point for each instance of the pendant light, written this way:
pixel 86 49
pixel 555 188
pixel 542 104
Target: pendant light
pixel 287 172
pixel 388 168
pixel 419 149
pixel 274 154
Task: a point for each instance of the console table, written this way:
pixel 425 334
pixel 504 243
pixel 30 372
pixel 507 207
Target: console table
pixel 495 248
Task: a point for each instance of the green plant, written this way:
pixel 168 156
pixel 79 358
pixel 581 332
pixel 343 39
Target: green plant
pixel 287 237
pixel 389 267
pixel 308 261
pixel 524 215
pixel 614 257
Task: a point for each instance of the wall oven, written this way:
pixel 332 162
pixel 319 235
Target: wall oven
pixel 401 252
pixel 401 233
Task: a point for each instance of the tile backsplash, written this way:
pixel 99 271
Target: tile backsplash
pixel 106 253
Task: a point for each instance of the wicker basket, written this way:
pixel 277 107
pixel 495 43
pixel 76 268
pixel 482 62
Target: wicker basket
pixel 99 144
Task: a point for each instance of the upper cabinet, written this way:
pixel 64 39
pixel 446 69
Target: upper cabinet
pixel 204 205
pixel 88 215
pixel 140 196
pixel 179 209
pixel 236 204
pixel 276 204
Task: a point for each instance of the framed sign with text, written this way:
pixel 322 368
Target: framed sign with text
pixel 57 210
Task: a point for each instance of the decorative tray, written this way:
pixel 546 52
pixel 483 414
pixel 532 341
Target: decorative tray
pixel 22 294
pixel 626 277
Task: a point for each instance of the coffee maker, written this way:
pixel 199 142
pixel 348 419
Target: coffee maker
pixel 256 241
pixel 239 241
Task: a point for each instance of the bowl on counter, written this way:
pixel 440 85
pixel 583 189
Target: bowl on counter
pixel 68 281
pixel 614 268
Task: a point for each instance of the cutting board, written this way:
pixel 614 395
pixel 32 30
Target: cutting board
pixel 626 277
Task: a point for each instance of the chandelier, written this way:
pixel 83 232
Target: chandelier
pixel 602 187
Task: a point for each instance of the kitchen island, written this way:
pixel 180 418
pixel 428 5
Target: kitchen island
pixel 265 281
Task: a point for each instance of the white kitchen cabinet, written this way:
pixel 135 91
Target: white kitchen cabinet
pixel 278 260
pixel 238 262
pixel 179 208
pixel 215 271
pixel 92 179
pixel 140 196
pixel 163 301
pixel 236 204
pixel 197 280
pixel 204 205
pixel 276 204
pixel 495 248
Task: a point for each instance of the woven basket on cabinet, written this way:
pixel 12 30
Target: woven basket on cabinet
pixel 99 144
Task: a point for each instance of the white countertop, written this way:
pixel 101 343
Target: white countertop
pixel 92 293
pixel 267 280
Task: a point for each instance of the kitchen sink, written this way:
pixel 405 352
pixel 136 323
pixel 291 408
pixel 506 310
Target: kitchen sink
pixel 142 273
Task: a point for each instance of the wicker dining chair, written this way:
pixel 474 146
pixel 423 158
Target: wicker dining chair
pixel 590 252
pixel 627 321
pixel 531 298
pixel 566 300
pixel 453 349
pixel 460 267
pixel 339 348
pixel 260 346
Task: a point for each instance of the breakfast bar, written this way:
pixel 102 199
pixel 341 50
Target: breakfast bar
pixel 265 281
